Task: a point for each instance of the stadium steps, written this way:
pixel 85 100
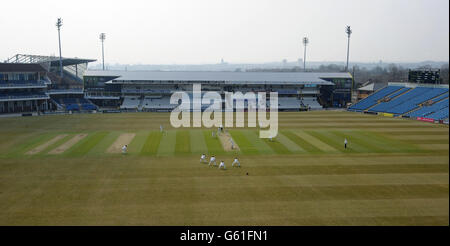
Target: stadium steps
pixel 401 94
pixel 441 97
pixel 367 109
pixel 381 100
pixel 378 101
pixel 141 103
pixel 91 102
pixel 59 106
pixel 415 109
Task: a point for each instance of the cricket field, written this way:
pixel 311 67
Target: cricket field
pixel 69 170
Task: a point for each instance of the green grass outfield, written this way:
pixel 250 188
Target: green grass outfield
pixel 394 172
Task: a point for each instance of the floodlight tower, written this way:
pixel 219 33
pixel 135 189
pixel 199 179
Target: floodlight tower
pixel 102 38
pixel 348 30
pixel 58 25
pixel 305 43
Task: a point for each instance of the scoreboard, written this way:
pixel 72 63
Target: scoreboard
pixel 424 76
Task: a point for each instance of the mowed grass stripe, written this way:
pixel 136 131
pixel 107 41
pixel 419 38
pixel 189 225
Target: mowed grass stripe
pixel 337 142
pixel 213 143
pixel 324 180
pixel 277 145
pixel 360 143
pixel 397 145
pixel 290 145
pixel 183 142
pixel 152 143
pixel 308 147
pixel 316 142
pixel 32 143
pixel 198 144
pixel 168 142
pixel 378 140
pixel 244 144
pixel 66 147
pixel 370 141
pixel 259 143
pixel 86 144
pixel 426 141
pixel 364 179
pixel 138 142
pixel 421 137
pixel 45 145
pixel 305 169
pixel 104 143
pixel 307 193
pixel 56 144
pixel 434 146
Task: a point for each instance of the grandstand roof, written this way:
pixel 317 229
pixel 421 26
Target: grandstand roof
pixel 220 77
pixel 368 87
pixel 54 60
pixel 21 67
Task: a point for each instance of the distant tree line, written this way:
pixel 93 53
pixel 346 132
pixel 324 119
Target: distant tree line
pixel 390 73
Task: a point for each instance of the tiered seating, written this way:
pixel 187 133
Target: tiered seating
pixel 286 92
pixel 86 105
pixel 72 107
pixel 72 104
pixel 130 102
pixel 395 94
pixel 439 115
pixel 373 99
pixel 437 99
pixel 157 103
pixel 14 83
pixel 409 100
pixel 288 103
pixel 425 102
pixel 311 103
pixel 428 110
pixel 22 95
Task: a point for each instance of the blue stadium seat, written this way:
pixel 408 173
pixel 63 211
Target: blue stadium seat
pixel 373 99
pixel 409 100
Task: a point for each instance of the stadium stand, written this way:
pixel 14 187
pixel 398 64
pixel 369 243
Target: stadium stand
pixel 426 102
pixel 311 103
pixel 399 92
pixel 288 103
pixel 22 83
pixel 286 92
pixel 408 101
pixel 425 111
pixel 439 115
pixel 18 95
pixel 373 99
pixel 75 104
pixel 131 102
pixel 157 103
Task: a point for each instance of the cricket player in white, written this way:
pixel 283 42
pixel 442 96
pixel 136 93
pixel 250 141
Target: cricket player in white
pixel 124 149
pixel 232 143
pixel 345 143
pixel 203 159
pixel 236 161
pixel 212 160
pixel 160 128
pixel 222 165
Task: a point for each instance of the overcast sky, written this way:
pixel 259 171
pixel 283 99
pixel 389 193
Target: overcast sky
pixel 244 31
